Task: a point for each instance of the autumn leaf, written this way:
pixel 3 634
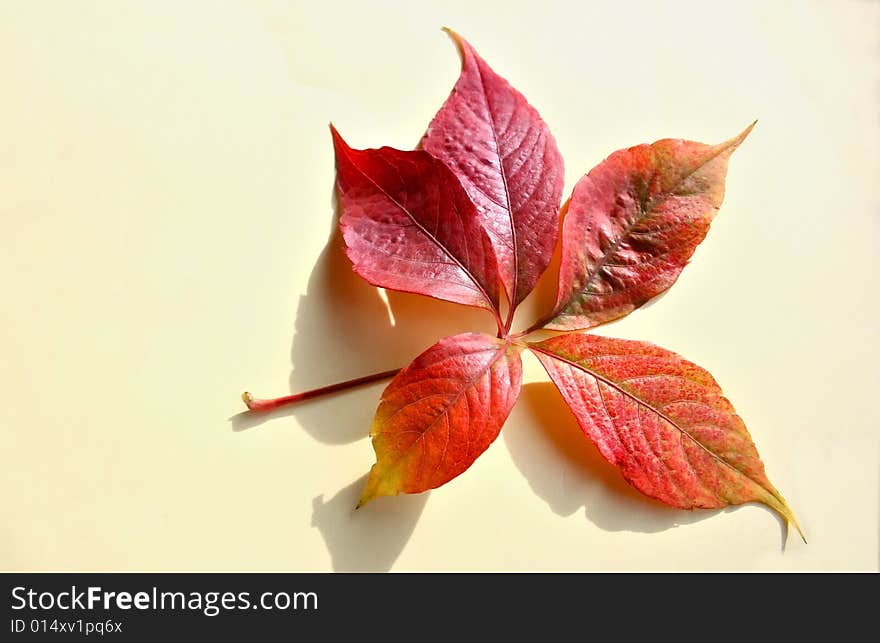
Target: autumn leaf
pixel 441 412
pixel 409 225
pixel 475 211
pixel 633 223
pixel 507 160
pixel 661 420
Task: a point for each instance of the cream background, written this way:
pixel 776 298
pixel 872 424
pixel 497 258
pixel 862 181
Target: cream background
pixel 166 177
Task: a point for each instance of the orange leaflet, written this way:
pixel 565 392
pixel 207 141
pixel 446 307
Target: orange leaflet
pixel 632 224
pixel 661 420
pixel 409 225
pixel 508 162
pixel 441 412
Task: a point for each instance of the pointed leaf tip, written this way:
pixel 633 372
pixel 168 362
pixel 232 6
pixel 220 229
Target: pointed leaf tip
pixel 791 520
pixel 337 138
pixel 737 140
pixel 456 37
pixel 371 489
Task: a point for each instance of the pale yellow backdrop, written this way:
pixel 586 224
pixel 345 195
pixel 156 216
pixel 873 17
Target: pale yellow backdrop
pixel 167 241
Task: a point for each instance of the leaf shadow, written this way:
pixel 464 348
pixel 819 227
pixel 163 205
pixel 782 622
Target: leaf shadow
pixel 568 472
pixel 345 330
pixel 369 539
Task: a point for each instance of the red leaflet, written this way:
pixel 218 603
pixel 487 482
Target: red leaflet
pixel 661 419
pixel 507 160
pixel 632 224
pixel 408 225
pixel 441 412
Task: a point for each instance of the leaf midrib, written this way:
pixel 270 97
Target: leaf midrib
pixel 515 285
